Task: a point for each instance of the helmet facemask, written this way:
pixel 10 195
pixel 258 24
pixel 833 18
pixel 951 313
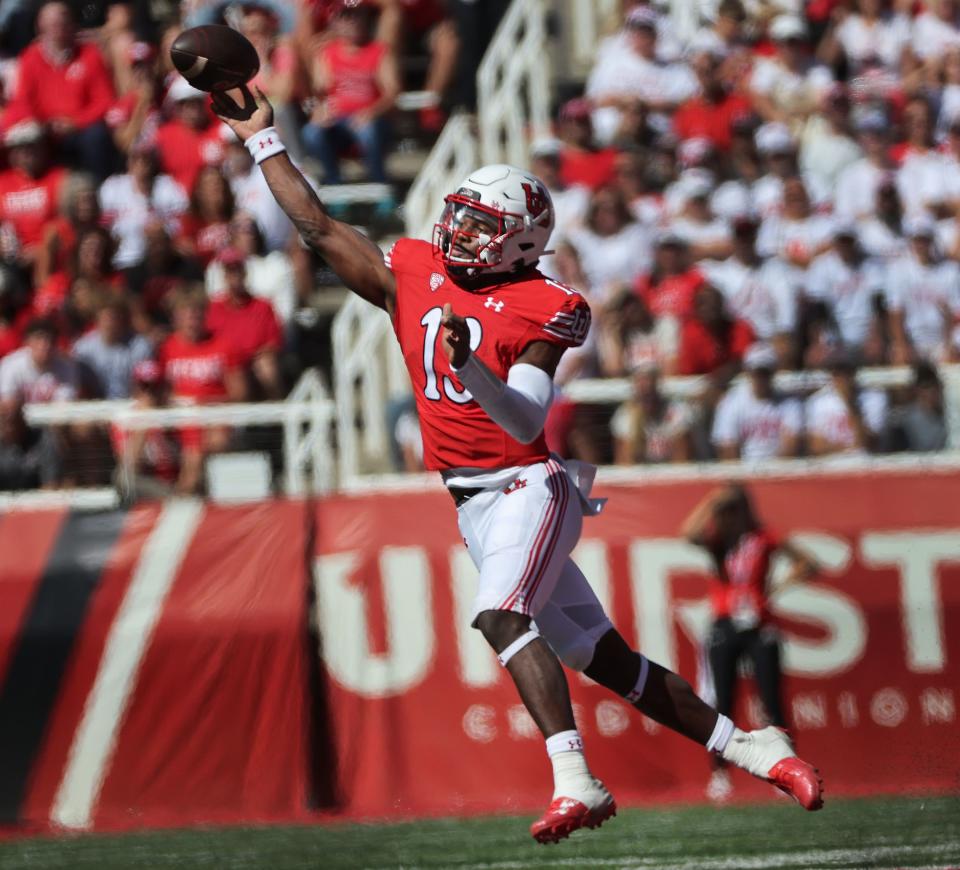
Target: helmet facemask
pixel 470 236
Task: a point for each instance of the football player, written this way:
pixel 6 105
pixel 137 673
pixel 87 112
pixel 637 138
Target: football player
pixel 482 332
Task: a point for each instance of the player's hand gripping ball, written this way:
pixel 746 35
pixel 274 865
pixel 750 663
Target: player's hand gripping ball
pixel 214 57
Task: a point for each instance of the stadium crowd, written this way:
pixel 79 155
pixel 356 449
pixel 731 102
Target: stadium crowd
pixel 776 190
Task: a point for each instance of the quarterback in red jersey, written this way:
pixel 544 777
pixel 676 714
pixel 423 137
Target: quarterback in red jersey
pixel 482 332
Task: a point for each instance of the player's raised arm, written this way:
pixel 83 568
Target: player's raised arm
pixel 355 258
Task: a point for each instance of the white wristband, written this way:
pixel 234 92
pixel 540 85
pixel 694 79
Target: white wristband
pixel 264 144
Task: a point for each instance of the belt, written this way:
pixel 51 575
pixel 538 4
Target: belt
pixel 463 494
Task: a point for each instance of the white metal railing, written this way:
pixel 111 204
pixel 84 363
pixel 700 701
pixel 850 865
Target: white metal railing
pixel 588 21
pixel 513 84
pixel 307 417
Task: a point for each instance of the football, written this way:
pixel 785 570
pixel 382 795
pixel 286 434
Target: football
pixel 214 57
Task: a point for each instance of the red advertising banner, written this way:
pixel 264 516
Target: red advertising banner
pixel 425 720
pixel 162 666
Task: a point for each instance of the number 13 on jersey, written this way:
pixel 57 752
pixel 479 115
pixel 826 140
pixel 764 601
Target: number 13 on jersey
pixel 431 321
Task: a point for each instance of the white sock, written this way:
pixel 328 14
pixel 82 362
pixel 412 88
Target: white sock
pixel 571 776
pixel 722 732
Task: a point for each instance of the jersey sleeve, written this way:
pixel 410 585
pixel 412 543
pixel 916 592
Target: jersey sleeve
pixel 567 322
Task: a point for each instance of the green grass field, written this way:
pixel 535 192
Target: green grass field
pixel 875 833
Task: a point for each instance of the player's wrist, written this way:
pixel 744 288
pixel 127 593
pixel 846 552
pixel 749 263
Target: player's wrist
pixel 264 143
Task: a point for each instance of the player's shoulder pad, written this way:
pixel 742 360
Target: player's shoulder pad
pixel 560 312
pixel 405 254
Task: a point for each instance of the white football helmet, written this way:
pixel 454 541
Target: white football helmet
pixel 509 213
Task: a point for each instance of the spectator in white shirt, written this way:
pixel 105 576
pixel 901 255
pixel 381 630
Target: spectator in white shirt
pixel 649 427
pixel 37 372
pixel 827 144
pixel 936 29
pixel 251 193
pixel 609 252
pixel 131 200
pixel 849 283
pixel 635 72
pixel 923 297
pixel 762 292
pixel 857 184
pixel 881 233
pixel 872 31
pixel 112 350
pixel 786 86
pixel 842 418
pixel 570 202
pixel 778 148
pixel 753 422
pixel 695 224
pixel 922 170
pixel 797 235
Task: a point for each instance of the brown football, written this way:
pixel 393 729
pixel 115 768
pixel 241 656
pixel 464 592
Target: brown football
pixel 214 57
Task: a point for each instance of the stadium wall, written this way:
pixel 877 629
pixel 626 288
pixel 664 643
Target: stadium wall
pixel 158 666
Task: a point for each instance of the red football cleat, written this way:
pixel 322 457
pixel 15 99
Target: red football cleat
pixel 799 780
pixel 566 815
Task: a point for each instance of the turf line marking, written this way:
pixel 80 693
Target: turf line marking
pixel 816 858
pixel 123 652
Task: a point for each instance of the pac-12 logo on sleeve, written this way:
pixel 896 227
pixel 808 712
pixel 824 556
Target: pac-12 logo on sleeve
pixel 536 198
pixel 436 279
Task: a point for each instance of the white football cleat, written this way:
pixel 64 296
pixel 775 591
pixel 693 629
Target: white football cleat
pixel 768 754
pixel 566 814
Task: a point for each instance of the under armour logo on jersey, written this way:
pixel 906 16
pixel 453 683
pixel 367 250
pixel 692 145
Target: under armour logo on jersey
pixel 436 279
pixel 517 484
pixel 495 304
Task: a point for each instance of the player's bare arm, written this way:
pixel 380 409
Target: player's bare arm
pixel 356 260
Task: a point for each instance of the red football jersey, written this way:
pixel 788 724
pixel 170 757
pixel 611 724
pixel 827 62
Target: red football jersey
pixel 504 319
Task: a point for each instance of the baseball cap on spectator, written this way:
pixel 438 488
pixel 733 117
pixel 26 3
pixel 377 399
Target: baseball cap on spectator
pixel 845 229
pixel 919 226
pixel 760 356
pixel 147 373
pixel 140 52
pixel 182 90
pixel 231 257
pixel 26 132
pixel 668 237
pixel 706 42
pixel 577 109
pixel 694 184
pixel 545 146
pixel 731 202
pixel 787 27
pixel 774 138
pixel 642 17
pixel 693 152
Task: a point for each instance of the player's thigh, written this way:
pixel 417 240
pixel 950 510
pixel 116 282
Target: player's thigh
pixel 525 535
pixel 573 620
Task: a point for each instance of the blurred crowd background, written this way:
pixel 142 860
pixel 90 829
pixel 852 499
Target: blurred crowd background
pixel 775 190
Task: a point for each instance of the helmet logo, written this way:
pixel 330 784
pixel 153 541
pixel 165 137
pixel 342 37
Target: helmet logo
pixel 536 199
pixel 436 279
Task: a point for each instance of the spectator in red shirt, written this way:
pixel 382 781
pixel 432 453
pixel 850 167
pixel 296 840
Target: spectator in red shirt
pixel 135 117
pixel 669 289
pixel 29 192
pixel 205 228
pixel 357 81
pixel 712 113
pixel 711 341
pixel 200 368
pixel 248 324
pixel 581 162
pixel 66 84
pixel 191 140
